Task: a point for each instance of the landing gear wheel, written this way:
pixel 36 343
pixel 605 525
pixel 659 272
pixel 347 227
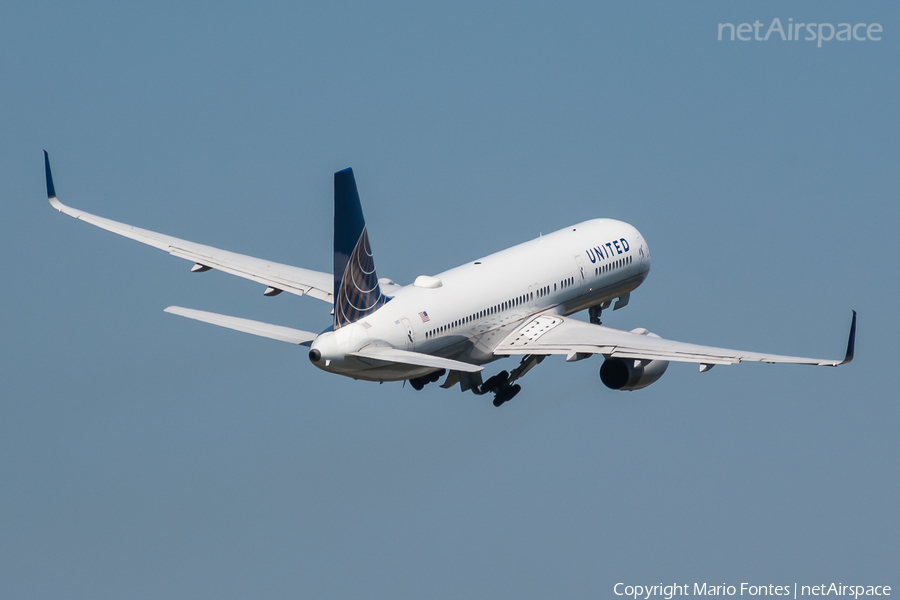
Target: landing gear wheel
pixel 505 394
pixel 418 383
pixel 495 383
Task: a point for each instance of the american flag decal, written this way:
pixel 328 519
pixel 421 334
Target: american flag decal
pixel 424 316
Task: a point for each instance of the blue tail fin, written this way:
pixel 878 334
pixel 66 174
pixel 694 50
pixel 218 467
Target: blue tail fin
pixel 356 290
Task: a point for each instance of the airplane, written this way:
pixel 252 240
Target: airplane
pixel 516 302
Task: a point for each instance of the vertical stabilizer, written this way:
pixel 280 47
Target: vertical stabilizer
pixel 356 290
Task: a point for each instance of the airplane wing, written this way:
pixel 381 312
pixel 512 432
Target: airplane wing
pixel 553 334
pixel 276 276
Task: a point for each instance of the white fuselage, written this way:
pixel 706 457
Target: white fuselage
pixel 480 303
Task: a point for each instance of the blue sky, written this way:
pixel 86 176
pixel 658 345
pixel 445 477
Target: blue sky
pixel 147 456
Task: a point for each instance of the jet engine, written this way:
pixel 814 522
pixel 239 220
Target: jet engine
pixel 631 374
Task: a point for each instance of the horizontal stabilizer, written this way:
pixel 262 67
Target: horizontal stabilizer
pixel 275 332
pixel 415 358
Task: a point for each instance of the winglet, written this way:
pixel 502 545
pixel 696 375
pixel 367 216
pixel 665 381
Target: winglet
pixel 51 191
pixel 851 343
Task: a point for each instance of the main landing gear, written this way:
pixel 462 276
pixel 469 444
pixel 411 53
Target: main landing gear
pixel 500 385
pixel 503 383
pixel 419 382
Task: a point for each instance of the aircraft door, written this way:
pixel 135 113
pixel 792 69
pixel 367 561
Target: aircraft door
pixel 530 295
pixel 581 275
pixel 410 334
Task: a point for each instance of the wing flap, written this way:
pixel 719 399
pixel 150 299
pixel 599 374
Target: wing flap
pixel 266 330
pixel 295 280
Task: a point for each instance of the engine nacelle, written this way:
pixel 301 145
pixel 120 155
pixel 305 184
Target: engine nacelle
pixel 631 374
